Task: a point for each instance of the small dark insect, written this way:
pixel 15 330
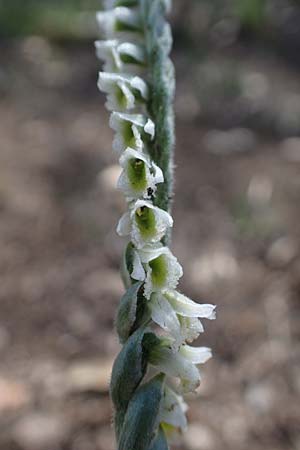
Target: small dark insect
pixel 150 192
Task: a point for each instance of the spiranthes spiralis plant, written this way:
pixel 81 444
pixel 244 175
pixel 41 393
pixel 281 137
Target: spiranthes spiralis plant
pixel 155 322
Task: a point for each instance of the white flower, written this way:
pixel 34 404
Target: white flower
pixel 131 130
pixel 161 270
pixel 188 308
pixel 121 22
pixel 139 176
pixel 180 325
pixel 181 364
pixel 197 355
pixel 172 414
pixel 188 313
pixel 124 91
pixel 163 315
pixel 190 328
pixel 132 53
pixel 119 57
pixel 145 223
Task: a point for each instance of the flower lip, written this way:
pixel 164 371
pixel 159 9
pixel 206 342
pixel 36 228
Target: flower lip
pixel 197 355
pixel 188 308
pixel 138 175
pixel 130 153
pixel 163 269
pixel 148 224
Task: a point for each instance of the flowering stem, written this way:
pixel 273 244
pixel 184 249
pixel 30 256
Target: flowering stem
pixel 138 78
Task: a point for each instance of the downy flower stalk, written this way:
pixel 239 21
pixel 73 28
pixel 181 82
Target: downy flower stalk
pixel 155 322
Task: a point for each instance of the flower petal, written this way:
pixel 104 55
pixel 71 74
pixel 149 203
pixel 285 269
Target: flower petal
pixel 130 129
pixel 121 57
pixel 132 53
pixel 158 174
pixel 190 328
pixel 175 365
pixel 138 272
pixel 140 85
pixel 107 52
pixel 119 22
pixel 149 128
pixel 173 410
pixel 197 355
pixel 163 314
pixel 149 223
pixel 123 90
pixel 188 308
pixel 163 270
pixel 136 179
pixel 124 225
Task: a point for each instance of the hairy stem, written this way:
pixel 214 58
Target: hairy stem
pixel 160 107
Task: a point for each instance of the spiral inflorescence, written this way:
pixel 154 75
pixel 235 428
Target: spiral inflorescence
pixel 155 322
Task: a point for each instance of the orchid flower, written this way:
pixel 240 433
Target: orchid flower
pixel 132 130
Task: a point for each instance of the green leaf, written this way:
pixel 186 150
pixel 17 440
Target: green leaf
pixel 160 441
pixel 141 419
pixel 132 312
pixel 128 370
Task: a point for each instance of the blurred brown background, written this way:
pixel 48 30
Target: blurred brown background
pixel 236 213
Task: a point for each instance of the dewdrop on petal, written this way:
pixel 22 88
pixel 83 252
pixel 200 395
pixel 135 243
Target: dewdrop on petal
pixel 147 224
pixel 131 130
